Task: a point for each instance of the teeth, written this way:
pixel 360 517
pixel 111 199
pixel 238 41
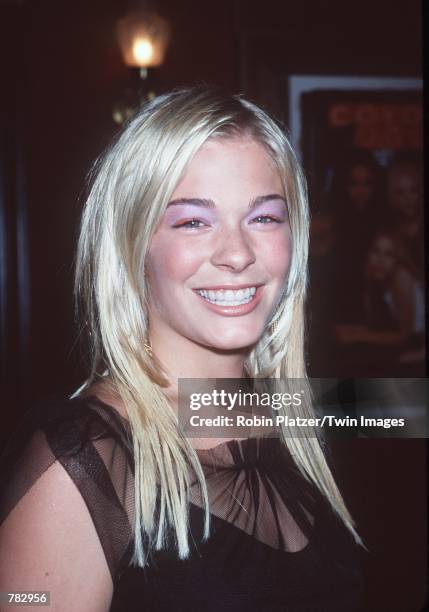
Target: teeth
pixel 229 297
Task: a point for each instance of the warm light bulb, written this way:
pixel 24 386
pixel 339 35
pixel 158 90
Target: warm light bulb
pixel 143 51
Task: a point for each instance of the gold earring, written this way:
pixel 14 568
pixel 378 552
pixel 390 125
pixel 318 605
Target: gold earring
pixel 147 347
pixel 274 327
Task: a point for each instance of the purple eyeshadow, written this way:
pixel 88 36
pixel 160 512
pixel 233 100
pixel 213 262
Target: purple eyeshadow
pixel 276 208
pixel 182 212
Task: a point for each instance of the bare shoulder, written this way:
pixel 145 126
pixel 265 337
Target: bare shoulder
pixel 49 542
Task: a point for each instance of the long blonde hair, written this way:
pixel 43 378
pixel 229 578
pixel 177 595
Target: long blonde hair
pixel 131 184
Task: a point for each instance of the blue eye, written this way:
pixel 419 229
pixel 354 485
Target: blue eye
pixel 190 224
pixel 268 219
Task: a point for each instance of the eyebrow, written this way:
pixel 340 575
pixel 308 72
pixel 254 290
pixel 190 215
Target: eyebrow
pixel 207 203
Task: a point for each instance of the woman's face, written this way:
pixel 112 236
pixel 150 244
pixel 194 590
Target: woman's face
pixel 381 259
pixel 360 185
pixel 219 259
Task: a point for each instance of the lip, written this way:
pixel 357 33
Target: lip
pixel 234 311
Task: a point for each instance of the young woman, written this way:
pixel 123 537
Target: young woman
pixel 191 264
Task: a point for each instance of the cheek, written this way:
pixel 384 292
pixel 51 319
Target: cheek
pixel 277 256
pixel 169 261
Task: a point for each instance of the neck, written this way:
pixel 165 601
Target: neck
pixel 183 358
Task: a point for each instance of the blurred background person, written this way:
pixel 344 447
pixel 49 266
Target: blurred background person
pixel 357 205
pixel 404 190
pixel 393 312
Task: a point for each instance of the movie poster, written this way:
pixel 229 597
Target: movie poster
pixel 362 155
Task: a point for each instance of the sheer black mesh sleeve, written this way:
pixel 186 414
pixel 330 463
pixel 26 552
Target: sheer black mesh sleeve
pixel 92 443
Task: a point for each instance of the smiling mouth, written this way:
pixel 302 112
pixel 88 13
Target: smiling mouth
pixel 228 297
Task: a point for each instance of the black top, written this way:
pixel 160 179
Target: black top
pixel 275 543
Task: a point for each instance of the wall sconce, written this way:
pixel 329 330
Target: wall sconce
pixel 143 38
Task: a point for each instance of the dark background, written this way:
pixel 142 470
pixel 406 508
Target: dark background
pixel 61 75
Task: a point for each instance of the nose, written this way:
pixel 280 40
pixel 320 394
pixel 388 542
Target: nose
pixel 233 250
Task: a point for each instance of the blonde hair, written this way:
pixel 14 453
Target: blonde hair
pixel 131 185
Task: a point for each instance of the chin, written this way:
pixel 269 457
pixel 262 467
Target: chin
pixel 234 343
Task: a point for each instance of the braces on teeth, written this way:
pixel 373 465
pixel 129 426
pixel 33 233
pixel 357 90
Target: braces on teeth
pixel 229 297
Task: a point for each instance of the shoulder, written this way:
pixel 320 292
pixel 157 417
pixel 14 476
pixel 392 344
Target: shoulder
pixel 59 428
pixel 83 442
pixel 43 537
pixel 71 423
